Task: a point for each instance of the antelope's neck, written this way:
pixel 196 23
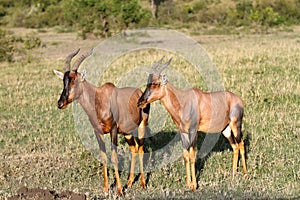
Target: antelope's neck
pixel 87 101
pixel 88 94
pixel 171 101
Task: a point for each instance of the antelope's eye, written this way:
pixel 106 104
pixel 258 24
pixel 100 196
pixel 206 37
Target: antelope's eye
pixel 155 84
pixel 72 79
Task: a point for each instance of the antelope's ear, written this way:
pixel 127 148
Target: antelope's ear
pixel 59 74
pixel 164 79
pixel 83 75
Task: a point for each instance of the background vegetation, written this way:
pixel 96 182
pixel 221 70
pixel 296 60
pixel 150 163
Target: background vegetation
pixel 108 16
pixel 93 18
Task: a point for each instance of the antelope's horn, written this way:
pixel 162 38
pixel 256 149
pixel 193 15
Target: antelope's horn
pixel 162 67
pixel 68 60
pixel 155 65
pixel 81 59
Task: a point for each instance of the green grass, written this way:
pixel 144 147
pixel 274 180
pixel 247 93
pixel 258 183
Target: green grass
pixel 39 145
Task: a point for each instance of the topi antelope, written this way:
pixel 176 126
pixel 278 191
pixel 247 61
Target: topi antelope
pixel 110 110
pixel 193 110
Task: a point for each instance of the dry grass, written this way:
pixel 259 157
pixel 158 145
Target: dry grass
pixel 39 146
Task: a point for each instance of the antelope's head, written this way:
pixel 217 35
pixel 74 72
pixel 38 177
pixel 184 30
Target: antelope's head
pixel 156 81
pixel 71 80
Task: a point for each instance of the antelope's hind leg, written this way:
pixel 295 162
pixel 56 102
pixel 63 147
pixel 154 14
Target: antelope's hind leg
pixel 227 132
pixel 243 156
pixel 193 153
pixel 234 135
pixel 236 126
pixel 186 158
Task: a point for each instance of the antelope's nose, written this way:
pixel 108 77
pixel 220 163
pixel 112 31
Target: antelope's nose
pixel 141 103
pixel 60 104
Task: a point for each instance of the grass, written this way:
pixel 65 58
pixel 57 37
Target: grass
pixel 39 145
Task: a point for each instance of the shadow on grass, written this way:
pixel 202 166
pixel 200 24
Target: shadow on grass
pixel 161 139
pixel 153 144
pixel 221 146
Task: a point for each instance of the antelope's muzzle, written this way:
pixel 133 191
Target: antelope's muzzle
pixel 62 102
pixel 142 103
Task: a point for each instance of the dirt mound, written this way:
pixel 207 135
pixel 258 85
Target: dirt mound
pixel 41 194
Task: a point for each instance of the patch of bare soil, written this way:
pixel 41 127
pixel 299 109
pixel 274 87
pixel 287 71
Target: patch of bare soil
pixel 45 194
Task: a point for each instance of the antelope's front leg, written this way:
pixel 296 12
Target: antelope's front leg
pixel 103 157
pixel 133 146
pixel 114 159
pixel 141 136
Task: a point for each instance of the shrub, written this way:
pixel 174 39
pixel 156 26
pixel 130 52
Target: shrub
pixel 6 46
pixel 104 17
pixel 31 41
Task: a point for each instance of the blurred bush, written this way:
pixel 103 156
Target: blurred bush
pixel 102 18
pixel 31 41
pixel 11 45
pixel 231 12
pixel 7 46
pixel 106 17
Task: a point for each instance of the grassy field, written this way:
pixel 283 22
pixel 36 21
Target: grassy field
pixel 39 145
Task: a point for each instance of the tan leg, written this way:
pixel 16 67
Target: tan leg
pixel 103 157
pixel 242 152
pixel 118 181
pixel 114 159
pixel 193 153
pixel 131 175
pixel 235 146
pixel 142 175
pixel 141 135
pixel 227 134
pixel 105 177
pixel 133 146
pixel 186 157
pixel 235 158
pixel 132 167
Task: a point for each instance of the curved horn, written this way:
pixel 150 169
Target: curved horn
pixel 81 59
pixel 68 60
pixel 155 65
pixel 162 67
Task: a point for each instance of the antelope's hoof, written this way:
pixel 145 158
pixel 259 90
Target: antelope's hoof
pixel 120 192
pixel 234 172
pixel 143 184
pixel 129 183
pixel 246 176
pixel 193 188
pixel 105 189
pixel 189 185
